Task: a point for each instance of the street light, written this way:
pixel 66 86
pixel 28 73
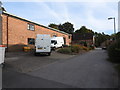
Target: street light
pixel 114 23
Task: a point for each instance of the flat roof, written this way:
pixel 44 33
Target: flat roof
pixel 6 13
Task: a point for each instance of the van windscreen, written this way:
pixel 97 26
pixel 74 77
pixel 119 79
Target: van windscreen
pixel 53 41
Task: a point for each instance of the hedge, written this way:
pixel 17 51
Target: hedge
pixel 114 51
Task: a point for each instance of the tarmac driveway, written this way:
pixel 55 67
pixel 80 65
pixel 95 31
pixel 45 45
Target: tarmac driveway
pixel 26 61
pixel 89 70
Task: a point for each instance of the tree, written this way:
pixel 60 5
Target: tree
pixel 60 27
pixel 66 27
pixel 118 36
pixel 55 26
pixel 83 30
pixel 100 38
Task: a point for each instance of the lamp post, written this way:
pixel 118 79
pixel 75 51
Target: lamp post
pixel 114 23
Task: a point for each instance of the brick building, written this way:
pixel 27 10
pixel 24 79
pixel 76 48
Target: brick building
pixel 80 38
pixel 17 32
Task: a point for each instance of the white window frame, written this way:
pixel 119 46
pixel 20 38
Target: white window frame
pixel 31 27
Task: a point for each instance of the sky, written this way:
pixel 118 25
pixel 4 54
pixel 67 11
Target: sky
pixel 93 14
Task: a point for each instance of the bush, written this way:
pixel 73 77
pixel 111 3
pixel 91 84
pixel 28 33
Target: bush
pixel 85 48
pixel 65 46
pixel 91 47
pixel 72 49
pixel 85 44
pixel 65 50
pixel 75 48
pixel 114 51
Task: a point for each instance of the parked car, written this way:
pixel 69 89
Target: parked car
pixel 104 48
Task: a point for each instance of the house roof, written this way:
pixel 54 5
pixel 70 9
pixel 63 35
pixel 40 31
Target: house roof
pixel 3 9
pixel 6 13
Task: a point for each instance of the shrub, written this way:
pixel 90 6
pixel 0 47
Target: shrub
pixel 91 47
pixel 85 44
pixel 85 48
pixel 65 50
pixel 65 45
pixel 75 48
pixel 114 51
pixel 72 49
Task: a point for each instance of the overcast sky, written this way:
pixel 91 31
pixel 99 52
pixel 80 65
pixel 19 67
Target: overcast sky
pixel 92 14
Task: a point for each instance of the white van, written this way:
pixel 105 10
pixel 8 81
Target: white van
pixel 43 44
pixel 57 42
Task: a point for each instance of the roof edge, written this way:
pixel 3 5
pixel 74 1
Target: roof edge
pixel 34 22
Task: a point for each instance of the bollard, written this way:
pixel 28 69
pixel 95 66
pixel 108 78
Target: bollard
pixel 2 53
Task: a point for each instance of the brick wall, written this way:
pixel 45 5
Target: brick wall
pixel 18 33
pixel 89 42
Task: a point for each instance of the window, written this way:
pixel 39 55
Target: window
pixel 31 41
pixel 31 27
pixel 53 42
pixel 64 40
pixel 69 37
pixel 54 35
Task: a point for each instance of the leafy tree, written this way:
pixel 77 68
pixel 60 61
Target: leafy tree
pixel 118 36
pixel 100 38
pixel 55 26
pixel 66 27
pixel 60 27
pixel 83 30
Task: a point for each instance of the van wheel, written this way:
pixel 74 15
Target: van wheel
pixel 62 46
pixel 2 65
pixel 36 54
pixel 49 53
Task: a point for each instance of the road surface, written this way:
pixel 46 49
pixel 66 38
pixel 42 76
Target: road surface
pixel 89 70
